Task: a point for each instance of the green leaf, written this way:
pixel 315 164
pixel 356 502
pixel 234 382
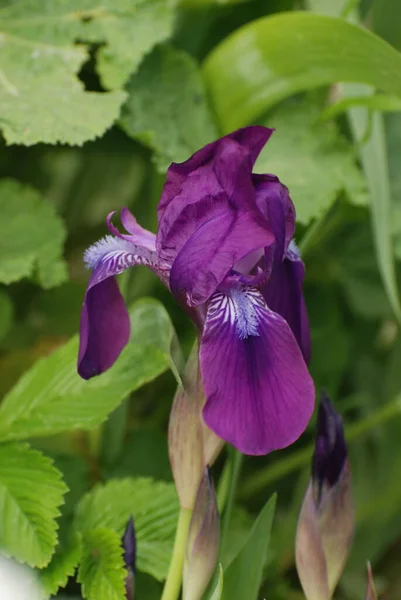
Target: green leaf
pixel 41 97
pixel 31 236
pixel 154 507
pixel 373 155
pixel 51 397
pixel 274 57
pixel 243 577
pixel 218 590
pixel 102 571
pixel 6 313
pixel 31 491
pixel 167 107
pixel 313 160
pixel 63 565
pixel 380 102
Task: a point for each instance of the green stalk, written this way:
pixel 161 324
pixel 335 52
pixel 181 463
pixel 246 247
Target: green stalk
pixel 174 578
pixel 236 464
pixel 261 479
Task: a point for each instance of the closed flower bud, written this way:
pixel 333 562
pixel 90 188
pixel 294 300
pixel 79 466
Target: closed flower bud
pixel 185 440
pixel 129 555
pixel 203 542
pixel 326 523
pixel 370 588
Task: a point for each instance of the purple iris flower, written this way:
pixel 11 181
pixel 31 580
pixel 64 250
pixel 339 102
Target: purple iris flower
pixel 224 248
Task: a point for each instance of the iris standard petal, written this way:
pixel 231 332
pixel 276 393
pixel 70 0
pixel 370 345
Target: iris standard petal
pixel 283 294
pixel 275 204
pixel 251 138
pixel 105 328
pixel 259 394
pixel 216 179
pixel 212 251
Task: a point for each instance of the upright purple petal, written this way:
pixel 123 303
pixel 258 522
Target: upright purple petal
pixel 105 327
pixel 212 251
pixel 283 294
pixel 275 204
pixel 215 180
pixel 259 393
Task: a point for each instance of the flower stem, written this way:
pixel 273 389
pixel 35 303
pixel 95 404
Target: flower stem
pixel 174 578
pixel 236 464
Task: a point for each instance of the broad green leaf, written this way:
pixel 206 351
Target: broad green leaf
pixel 51 397
pixel 6 312
pixel 154 508
pixel 167 107
pixel 102 572
pixel 40 61
pixel 272 58
pixel 31 236
pixel 313 160
pixel 41 97
pixel 63 565
pixel 243 577
pixel 31 492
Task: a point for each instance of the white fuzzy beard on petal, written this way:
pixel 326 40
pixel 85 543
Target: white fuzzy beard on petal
pixel 240 307
pixel 121 249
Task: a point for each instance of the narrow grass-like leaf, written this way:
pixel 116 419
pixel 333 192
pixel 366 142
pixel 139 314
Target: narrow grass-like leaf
pixel 373 154
pixel 243 577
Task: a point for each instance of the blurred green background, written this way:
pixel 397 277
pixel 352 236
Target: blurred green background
pixel 54 200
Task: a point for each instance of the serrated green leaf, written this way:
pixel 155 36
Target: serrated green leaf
pixel 272 58
pixel 31 236
pixel 243 577
pixel 167 107
pixel 31 491
pixel 62 565
pixel 51 397
pixel 101 572
pixel 154 507
pixel 313 160
pixel 41 97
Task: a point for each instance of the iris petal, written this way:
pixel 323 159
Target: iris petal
pixel 259 393
pixel 105 327
pixel 212 251
pixel 283 294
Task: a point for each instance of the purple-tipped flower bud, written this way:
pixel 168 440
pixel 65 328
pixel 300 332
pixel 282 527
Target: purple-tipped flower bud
pixel 370 589
pixel 129 555
pixel 326 523
pixel 203 541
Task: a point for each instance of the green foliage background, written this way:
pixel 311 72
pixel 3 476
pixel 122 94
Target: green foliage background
pixel 96 99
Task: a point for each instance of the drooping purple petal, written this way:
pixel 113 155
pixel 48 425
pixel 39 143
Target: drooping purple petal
pixel 212 251
pixel 215 180
pixel 259 393
pixel 105 327
pixel 283 294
